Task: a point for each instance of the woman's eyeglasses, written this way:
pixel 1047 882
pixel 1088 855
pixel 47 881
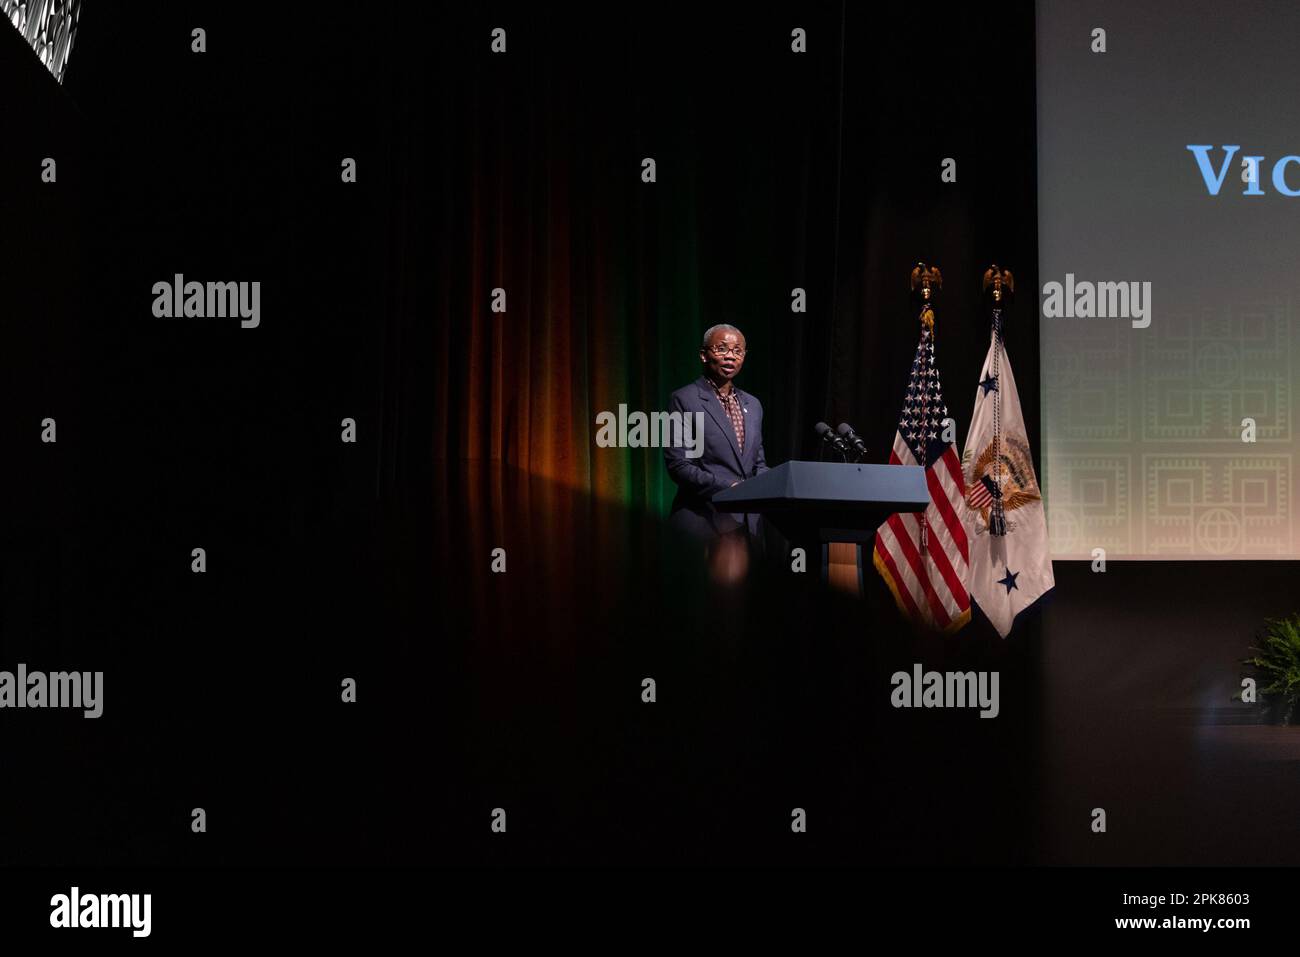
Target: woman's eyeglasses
pixel 722 351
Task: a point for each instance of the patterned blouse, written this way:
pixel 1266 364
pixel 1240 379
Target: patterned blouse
pixel 731 405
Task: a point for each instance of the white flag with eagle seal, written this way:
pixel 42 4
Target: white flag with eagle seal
pixel 1010 566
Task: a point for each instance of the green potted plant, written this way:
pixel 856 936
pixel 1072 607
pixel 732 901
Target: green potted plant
pixel 1276 661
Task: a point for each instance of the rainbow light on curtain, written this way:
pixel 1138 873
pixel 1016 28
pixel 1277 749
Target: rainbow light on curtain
pixel 601 278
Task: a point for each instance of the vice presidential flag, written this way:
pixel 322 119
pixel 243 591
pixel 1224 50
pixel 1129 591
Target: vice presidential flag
pixel 922 555
pixel 1010 566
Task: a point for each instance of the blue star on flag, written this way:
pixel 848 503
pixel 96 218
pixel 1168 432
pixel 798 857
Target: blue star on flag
pixel 1010 580
pixel 990 384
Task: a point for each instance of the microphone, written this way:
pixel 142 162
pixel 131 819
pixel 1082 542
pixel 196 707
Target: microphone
pixel 830 438
pixel 855 440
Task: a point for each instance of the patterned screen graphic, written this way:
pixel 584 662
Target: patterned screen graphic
pixel 1169 435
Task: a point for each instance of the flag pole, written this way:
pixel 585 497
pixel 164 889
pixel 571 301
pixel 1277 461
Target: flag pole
pixel 999 290
pixel 926 283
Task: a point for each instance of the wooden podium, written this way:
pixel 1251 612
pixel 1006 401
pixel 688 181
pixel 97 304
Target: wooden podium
pixel 830 509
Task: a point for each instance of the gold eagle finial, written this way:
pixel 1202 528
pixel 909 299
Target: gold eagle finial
pixel 926 282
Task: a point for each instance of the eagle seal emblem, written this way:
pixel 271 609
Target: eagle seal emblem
pixel 1005 475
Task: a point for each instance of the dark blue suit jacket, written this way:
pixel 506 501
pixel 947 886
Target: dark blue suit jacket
pixel 722 463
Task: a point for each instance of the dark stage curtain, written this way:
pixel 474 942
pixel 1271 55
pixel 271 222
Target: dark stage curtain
pixel 775 170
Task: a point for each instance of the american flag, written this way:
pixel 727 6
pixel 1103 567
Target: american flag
pixel 984 492
pixel 923 556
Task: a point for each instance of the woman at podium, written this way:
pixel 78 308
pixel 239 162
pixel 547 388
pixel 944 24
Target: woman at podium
pixel 732 447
